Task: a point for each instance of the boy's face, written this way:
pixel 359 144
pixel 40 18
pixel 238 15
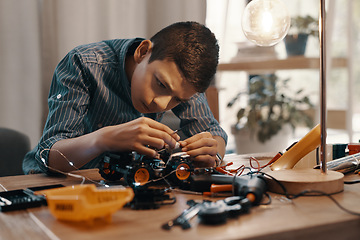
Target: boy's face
pixel 158 86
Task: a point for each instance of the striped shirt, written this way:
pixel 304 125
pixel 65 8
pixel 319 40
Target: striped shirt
pixel 90 90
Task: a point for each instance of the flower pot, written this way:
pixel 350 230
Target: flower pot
pixel 296 44
pixel 247 142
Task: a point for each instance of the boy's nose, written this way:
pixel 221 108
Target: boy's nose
pixel 162 102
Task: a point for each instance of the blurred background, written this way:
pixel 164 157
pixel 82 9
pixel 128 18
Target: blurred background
pixel 36 34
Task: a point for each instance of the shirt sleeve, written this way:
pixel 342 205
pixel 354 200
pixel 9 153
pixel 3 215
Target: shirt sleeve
pixel 195 115
pixel 68 103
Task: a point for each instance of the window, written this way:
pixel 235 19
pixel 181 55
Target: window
pixel 224 19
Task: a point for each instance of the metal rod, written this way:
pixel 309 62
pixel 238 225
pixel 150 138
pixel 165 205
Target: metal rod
pixel 322 38
pixel 351 82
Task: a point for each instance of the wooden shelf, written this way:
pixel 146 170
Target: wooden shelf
pixel 266 65
pixel 336 119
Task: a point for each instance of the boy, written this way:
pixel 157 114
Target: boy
pixel 110 97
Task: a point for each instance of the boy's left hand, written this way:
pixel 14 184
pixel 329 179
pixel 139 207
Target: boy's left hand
pixel 202 149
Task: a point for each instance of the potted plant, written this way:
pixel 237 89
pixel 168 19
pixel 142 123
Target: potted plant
pixel 300 29
pixel 272 106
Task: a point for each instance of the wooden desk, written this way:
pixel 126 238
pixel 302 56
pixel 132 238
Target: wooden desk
pixel 303 218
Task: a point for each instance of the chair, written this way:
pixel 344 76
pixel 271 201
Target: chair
pixel 13 147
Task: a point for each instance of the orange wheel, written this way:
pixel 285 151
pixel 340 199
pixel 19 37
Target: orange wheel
pixel 142 176
pixel 182 171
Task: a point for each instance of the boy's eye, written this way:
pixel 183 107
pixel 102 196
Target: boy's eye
pixel 160 83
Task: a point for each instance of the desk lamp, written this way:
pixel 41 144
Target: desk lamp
pixel 266 22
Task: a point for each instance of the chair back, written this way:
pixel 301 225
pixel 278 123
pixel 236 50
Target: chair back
pixel 13 147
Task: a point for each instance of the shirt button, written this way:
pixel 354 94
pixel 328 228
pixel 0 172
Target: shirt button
pixel 58 96
pixel 100 125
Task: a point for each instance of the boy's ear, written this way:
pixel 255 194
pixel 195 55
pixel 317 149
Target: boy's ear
pixel 142 50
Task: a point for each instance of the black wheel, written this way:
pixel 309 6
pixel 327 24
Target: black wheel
pixel 113 165
pixel 178 169
pixel 139 174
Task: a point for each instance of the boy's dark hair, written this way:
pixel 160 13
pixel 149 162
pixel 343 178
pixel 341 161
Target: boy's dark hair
pixel 193 48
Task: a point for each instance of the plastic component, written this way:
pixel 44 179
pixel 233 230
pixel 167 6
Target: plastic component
pixel 344 165
pixel 339 150
pixel 19 199
pixel 150 198
pixel 214 188
pixel 23 198
pixel 86 202
pixel 353 148
pixel 184 218
pixel 241 185
pixel 213 213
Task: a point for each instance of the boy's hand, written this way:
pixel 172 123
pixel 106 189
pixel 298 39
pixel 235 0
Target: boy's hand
pixel 142 135
pixel 202 149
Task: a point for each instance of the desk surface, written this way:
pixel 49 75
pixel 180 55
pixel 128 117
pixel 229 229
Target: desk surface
pixel 302 218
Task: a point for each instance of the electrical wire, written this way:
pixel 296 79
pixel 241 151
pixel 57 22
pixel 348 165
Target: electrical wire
pixel 269 199
pixel 68 173
pixel 306 192
pixel 352 182
pixel 311 193
pixel 239 172
pixel 259 168
pixel 101 183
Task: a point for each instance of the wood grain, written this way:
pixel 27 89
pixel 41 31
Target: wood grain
pixel 302 218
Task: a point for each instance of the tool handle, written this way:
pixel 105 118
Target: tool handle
pixel 214 188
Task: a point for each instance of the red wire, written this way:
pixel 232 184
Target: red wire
pixel 252 158
pixel 230 172
pixel 277 156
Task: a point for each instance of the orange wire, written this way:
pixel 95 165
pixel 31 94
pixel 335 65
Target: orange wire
pixel 240 169
pixel 230 172
pixel 276 157
pixel 251 165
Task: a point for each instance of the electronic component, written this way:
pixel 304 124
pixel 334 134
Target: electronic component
pixel 23 198
pixel 19 199
pixel 247 191
pixel 150 198
pixel 218 212
pixel 140 170
pixel 251 186
pixel 211 213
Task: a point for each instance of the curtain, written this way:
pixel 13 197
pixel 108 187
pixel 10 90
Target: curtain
pixel 36 34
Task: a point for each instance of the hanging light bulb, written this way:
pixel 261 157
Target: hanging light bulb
pixel 266 22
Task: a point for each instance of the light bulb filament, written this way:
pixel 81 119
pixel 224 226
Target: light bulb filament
pixel 266 22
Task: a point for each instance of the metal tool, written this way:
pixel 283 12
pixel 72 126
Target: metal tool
pixel 183 219
pixel 345 164
pixel 185 124
pixel 167 149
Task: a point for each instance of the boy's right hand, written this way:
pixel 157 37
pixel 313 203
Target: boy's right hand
pixel 142 135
